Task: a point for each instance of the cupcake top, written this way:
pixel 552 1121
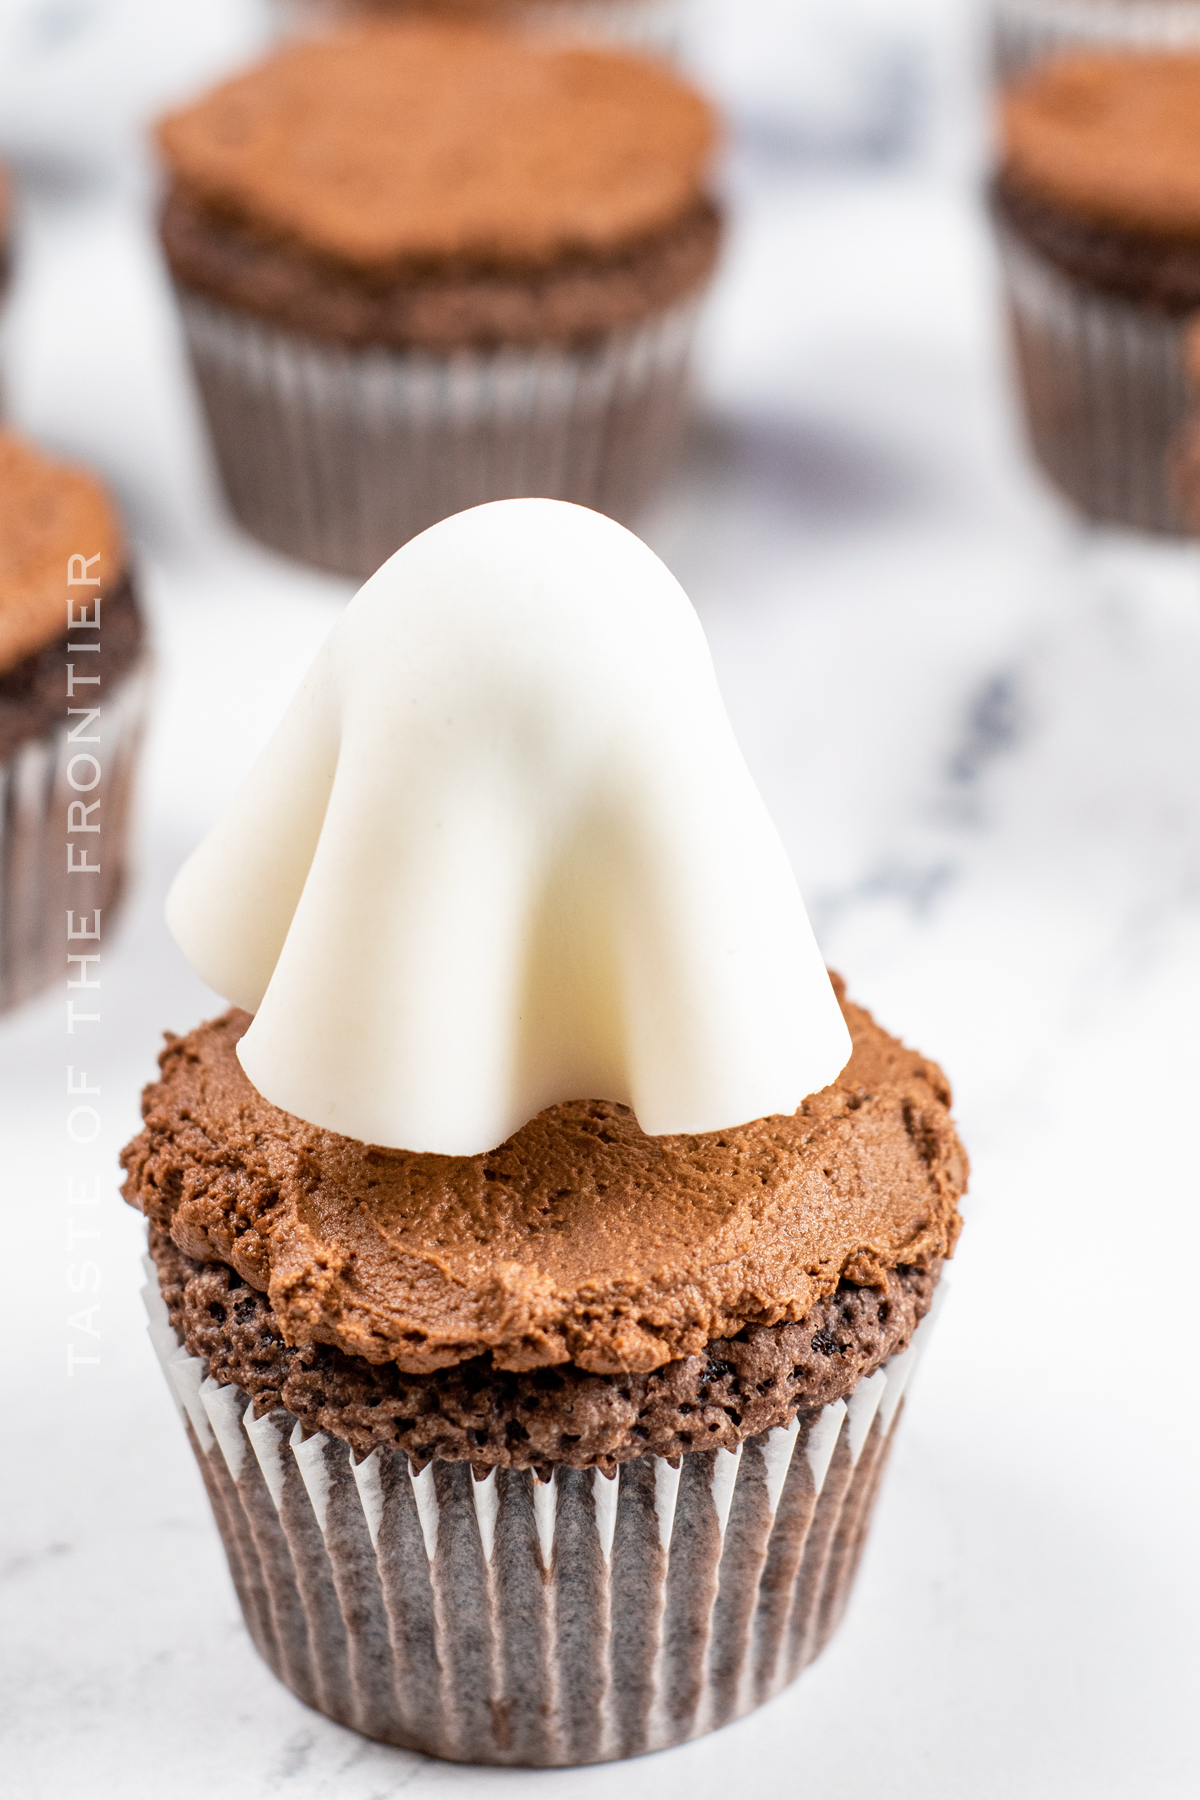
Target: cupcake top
pixel 49 512
pixel 580 1239
pixel 1112 138
pixel 427 143
pixel 534 1056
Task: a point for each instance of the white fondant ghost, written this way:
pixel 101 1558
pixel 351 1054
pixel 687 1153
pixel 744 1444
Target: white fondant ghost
pixel 503 851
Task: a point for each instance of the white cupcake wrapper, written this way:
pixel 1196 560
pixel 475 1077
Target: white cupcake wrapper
pixel 36 891
pixel 338 455
pixel 1104 388
pixel 1027 31
pixel 512 1620
pixel 654 27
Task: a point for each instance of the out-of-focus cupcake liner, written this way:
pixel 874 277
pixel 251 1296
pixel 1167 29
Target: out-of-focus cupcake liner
pixel 652 27
pixel 543 1623
pixel 1183 459
pixel 338 455
pixel 36 890
pixel 1026 32
pixel 1104 390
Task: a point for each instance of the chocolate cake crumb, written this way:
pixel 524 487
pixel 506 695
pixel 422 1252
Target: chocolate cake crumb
pixel 31 692
pixel 1162 273
pixel 474 1412
pixel 576 301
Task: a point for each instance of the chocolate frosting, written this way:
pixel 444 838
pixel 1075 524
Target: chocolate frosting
pixel 49 511
pixel 1114 138
pixel 580 1239
pixel 474 1412
pixel 434 144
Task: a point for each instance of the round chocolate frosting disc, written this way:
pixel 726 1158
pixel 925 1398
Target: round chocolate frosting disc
pixel 426 143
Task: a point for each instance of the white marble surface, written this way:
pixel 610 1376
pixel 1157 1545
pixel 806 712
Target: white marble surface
pixel 977 725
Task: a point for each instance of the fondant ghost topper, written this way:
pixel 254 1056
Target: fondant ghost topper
pixel 503 851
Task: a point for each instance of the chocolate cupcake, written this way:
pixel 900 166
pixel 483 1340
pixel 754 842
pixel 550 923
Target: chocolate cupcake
pixel 1097 203
pixel 1026 32
pixel 428 266
pixel 72 699
pixel 563 1450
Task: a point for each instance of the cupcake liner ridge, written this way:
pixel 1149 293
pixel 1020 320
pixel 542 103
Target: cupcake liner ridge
pixel 528 1621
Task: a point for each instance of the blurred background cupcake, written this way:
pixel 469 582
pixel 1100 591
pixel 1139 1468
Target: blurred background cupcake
pixel 1028 31
pixel 655 27
pixel 427 266
pixel 72 697
pixel 1097 203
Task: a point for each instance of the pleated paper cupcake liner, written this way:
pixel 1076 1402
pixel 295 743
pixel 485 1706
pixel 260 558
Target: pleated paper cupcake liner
pixel 544 1623
pixel 1104 390
pixel 653 27
pixel 1026 32
pixel 338 455
pixel 36 890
